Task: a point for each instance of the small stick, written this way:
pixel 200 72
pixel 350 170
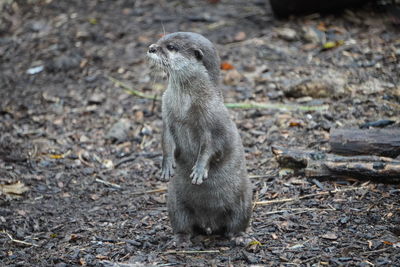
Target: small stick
pixel 125 160
pixel 375 251
pixel 260 176
pixel 130 90
pixel 108 183
pixel 18 241
pixel 269 202
pixel 163 189
pixel 80 157
pixel 298 209
pixel 253 105
pixel 190 251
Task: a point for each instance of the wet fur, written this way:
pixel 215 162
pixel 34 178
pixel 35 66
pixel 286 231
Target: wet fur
pixel 209 192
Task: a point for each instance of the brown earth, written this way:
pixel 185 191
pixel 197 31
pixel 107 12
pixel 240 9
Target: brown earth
pixel 88 154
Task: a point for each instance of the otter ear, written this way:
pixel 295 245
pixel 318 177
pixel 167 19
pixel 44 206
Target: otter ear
pixel 198 54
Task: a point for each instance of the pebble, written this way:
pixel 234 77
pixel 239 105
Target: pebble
pixel 287 34
pixel 119 132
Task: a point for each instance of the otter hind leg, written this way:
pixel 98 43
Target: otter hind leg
pixel 182 226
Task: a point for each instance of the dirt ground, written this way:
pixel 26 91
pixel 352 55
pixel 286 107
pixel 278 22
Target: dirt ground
pixel 79 156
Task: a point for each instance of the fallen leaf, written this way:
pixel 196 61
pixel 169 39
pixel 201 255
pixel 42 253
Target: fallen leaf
pixel 82 262
pixel 330 45
pixel 92 21
pixel 108 164
pixel 295 124
pixel 240 36
pixel 321 26
pixel 388 243
pixel 254 242
pixel 297 246
pixel 94 197
pixel 59 156
pixel 17 189
pixel 56 156
pixel 226 66
pixel 285 171
pixel 73 237
pixel 330 236
pixel 253 245
pixel 232 77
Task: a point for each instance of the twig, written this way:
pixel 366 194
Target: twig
pixel 132 91
pixel 190 251
pixel 260 176
pixel 108 183
pixel 311 259
pixel 301 210
pixel 18 241
pixel 80 157
pixel 375 251
pixel 163 189
pixel 125 160
pixel 269 202
pixel 249 105
pixel 253 105
pixel 245 42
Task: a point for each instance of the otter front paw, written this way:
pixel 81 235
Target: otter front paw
pixel 199 174
pixel 167 171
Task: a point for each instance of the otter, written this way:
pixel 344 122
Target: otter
pixel 203 156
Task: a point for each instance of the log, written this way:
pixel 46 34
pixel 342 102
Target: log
pixel 317 164
pixel 284 8
pixel 380 142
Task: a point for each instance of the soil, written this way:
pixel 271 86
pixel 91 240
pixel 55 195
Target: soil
pixel 80 157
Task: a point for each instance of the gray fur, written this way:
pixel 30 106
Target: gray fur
pixel 209 191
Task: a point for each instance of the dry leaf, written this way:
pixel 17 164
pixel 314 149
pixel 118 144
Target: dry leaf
pixel 321 26
pixel 330 236
pixel 226 66
pixel 295 124
pixel 92 21
pixel 73 237
pixel 232 77
pixel 108 164
pixel 254 242
pixel 16 189
pixel 59 156
pixel 329 45
pixel 82 262
pixel 285 171
pixel 240 36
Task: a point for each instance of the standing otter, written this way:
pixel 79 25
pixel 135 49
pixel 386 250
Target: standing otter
pixel 209 191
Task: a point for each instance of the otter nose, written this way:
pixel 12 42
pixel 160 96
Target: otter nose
pixel 153 48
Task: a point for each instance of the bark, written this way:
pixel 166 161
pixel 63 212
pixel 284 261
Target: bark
pixel 381 142
pixel 320 164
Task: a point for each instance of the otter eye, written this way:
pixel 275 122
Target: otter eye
pixel 198 54
pixel 171 47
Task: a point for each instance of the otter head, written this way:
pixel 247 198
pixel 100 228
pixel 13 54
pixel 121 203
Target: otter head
pixel 185 56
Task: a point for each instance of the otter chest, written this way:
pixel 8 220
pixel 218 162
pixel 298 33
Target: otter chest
pixel 176 106
pixel 183 121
